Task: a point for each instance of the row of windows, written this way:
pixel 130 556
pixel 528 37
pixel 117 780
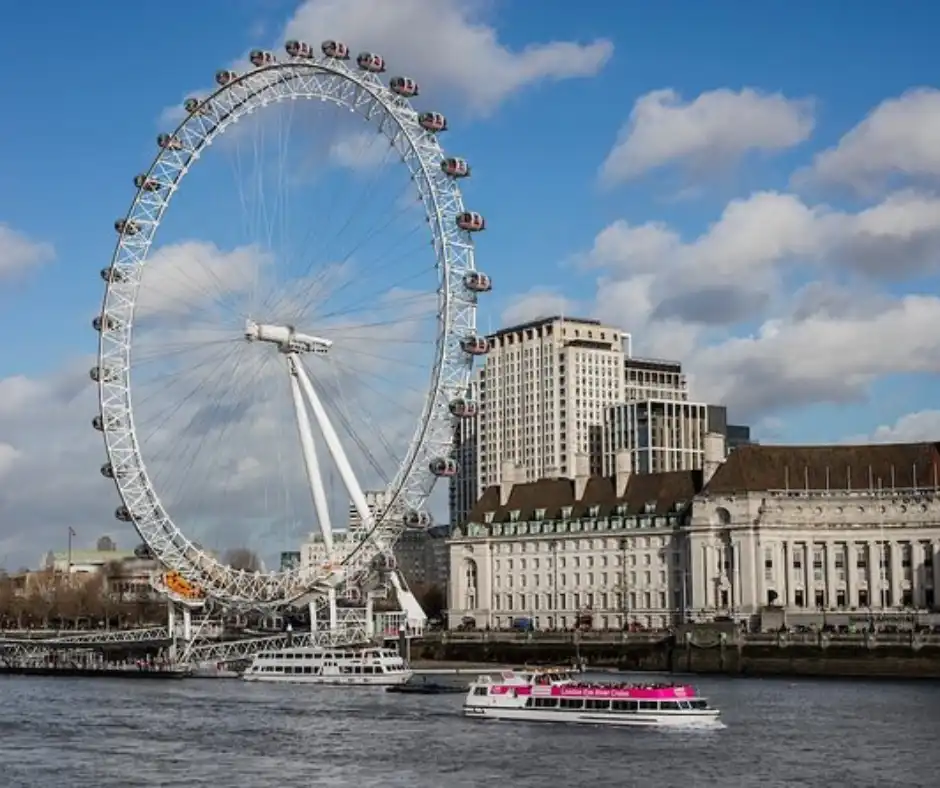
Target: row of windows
pixel 588 561
pixel 526 603
pixel 593 704
pixel 579 580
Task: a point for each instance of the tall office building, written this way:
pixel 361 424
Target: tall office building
pixel 655 379
pixel 660 435
pixel 376 500
pixel 542 395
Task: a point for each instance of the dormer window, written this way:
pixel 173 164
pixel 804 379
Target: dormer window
pixel 649 507
pixel 488 517
pixel 593 511
pixel 566 512
pixel 539 514
pixel 621 509
pixel 679 506
pixel 514 515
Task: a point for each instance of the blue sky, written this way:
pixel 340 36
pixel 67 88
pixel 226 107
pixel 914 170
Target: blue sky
pixel 810 332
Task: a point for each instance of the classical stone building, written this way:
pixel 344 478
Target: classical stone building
pixel 839 531
pixel 814 529
pixel 558 550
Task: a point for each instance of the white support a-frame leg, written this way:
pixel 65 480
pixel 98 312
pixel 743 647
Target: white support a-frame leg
pixel 335 448
pixel 310 454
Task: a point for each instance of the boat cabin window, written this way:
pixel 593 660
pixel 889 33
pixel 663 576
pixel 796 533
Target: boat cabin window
pixel 542 703
pixel 479 691
pixel 592 704
pixel 572 703
pixel 648 705
pixel 624 705
pixel 698 704
pixel 669 705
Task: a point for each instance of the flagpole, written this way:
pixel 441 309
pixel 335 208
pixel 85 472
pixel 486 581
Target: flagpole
pixel 68 566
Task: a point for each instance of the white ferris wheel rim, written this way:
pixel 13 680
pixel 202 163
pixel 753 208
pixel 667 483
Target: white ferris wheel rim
pixel 296 78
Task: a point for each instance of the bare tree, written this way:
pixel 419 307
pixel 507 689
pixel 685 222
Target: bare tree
pixel 243 558
pixel 432 598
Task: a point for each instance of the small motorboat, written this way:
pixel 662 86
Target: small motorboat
pixel 425 687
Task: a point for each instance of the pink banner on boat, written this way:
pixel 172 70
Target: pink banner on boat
pixel 625 692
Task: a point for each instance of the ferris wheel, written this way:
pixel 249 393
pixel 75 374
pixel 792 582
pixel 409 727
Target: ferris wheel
pixel 284 345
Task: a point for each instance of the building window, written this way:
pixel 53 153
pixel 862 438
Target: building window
pixel 840 598
pixel 798 598
pixel 863 597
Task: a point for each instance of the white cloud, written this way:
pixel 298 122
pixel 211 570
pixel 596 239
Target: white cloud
pixel 8 458
pixel 359 151
pixel 446 46
pixel 923 425
pixel 898 139
pixel 714 129
pixel 18 252
pixel 216 426
pixel 827 356
pixel 537 304
pixel 732 271
pixel 179 278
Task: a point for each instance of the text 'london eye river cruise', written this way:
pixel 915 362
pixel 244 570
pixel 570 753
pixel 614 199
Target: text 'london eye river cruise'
pixel 554 696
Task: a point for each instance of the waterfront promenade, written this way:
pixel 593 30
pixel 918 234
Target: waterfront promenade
pixel 703 651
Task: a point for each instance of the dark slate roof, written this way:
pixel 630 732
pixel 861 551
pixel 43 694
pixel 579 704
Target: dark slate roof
pixel 840 467
pixel 663 489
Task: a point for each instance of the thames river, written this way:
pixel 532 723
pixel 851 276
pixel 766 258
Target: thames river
pixel 64 733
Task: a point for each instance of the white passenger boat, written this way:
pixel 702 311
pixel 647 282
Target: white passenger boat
pixel 556 696
pixel 349 666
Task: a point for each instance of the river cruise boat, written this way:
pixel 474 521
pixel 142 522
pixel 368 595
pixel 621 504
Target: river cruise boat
pixel 312 665
pixel 557 696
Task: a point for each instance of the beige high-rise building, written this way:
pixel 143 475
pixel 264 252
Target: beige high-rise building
pixel 542 395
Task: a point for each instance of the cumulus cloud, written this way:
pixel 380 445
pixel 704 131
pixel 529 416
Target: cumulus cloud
pixel 730 273
pixel 714 129
pixel 216 427
pixel 896 140
pixel 185 276
pixel 8 457
pixel 447 46
pixel 537 304
pixel 19 252
pixel 923 425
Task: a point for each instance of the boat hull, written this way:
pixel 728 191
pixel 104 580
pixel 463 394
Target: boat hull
pixel 638 719
pixel 375 680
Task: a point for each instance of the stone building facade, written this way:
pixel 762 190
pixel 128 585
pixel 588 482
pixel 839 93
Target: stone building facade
pixel 829 531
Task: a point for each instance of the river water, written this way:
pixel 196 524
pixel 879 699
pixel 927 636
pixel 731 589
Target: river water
pixel 65 733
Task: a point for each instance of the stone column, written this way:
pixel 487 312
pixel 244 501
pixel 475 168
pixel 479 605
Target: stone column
pixel 874 574
pixel 935 547
pixel 831 580
pixel 917 574
pixel 699 576
pixel 789 587
pixel 809 594
pixel 851 592
pixel 897 573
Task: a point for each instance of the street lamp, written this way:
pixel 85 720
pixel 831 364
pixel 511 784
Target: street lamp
pixel 68 566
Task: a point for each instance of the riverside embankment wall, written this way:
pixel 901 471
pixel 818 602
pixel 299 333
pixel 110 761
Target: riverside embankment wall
pixel 714 654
